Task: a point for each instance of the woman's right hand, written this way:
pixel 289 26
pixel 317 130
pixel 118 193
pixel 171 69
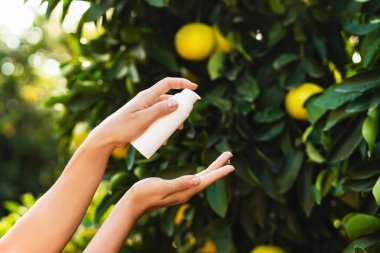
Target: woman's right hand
pixel 131 120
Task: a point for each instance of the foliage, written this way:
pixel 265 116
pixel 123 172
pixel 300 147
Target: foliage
pixel 28 159
pixel 303 186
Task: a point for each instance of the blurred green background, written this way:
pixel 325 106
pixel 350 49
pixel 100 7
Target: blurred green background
pixel 304 182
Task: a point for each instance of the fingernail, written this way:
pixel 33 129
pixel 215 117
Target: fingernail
pixel 194 181
pixel 228 161
pixel 172 104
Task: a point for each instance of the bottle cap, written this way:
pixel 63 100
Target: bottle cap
pixel 190 95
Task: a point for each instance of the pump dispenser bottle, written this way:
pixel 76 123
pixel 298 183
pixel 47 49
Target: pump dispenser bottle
pixel 153 138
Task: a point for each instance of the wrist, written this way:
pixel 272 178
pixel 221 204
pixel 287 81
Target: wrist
pixel 133 205
pixel 99 140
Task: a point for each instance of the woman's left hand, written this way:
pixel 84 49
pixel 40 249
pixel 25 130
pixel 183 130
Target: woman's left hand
pixel 153 193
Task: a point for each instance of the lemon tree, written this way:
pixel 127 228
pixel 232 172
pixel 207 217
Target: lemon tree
pixel 307 156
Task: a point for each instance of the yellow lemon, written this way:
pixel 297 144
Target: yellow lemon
pixel 192 239
pixel 120 153
pixel 8 129
pixel 195 41
pixel 180 213
pixel 222 44
pixel 80 133
pixel 209 247
pixel 267 249
pixel 296 98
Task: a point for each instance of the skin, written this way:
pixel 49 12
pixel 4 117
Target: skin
pixel 51 222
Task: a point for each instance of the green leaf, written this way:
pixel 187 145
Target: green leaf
pixel 215 65
pixel 354 27
pixel 320 45
pixel 244 171
pixel 313 153
pixel 364 169
pixel 312 67
pixel 364 242
pixel 304 188
pixel 130 157
pixel 314 113
pixel 358 105
pixel 357 225
pixel 164 58
pixel 58 99
pixel 107 201
pixel 296 77
pixel 276 33
pixel 284 59
pixel 248 89
pixel 269 131
pixel 360 82
pixel 375 100
pixel 217 197
pixel 370 128
pixel 157 3
pixel 360 250
pixel 331 99
pixel 376 191
pixel 88 87
pixel 268 115
pixel 222 237
pixel 361 186
pixel 347 142
pixel 277 6
pixel 369 48
pixel 96 11
pixel 293 163
pixel 269 185
pixel 120 180
pixel 335 117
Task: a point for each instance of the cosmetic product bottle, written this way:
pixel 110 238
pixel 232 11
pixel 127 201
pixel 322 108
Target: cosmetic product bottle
pixel 160 130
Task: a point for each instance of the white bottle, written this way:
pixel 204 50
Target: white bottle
pixel 160 131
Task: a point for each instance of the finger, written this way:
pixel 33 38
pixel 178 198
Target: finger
pixel 181 184
pixel 213 176
pixel 206 180
pixel 165 97
pixel 169 83
pixel 150 114
pixel 219 162
pixel 166 142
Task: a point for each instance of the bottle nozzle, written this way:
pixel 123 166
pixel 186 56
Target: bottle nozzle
pixel 190 95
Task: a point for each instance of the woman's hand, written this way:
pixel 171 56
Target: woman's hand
pixel 153 193
pixel 150 194
pixel 131 120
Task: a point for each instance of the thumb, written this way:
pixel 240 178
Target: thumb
pixel 158 110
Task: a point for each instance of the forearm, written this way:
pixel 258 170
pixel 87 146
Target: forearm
pixel 50 223
pixel 115 229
